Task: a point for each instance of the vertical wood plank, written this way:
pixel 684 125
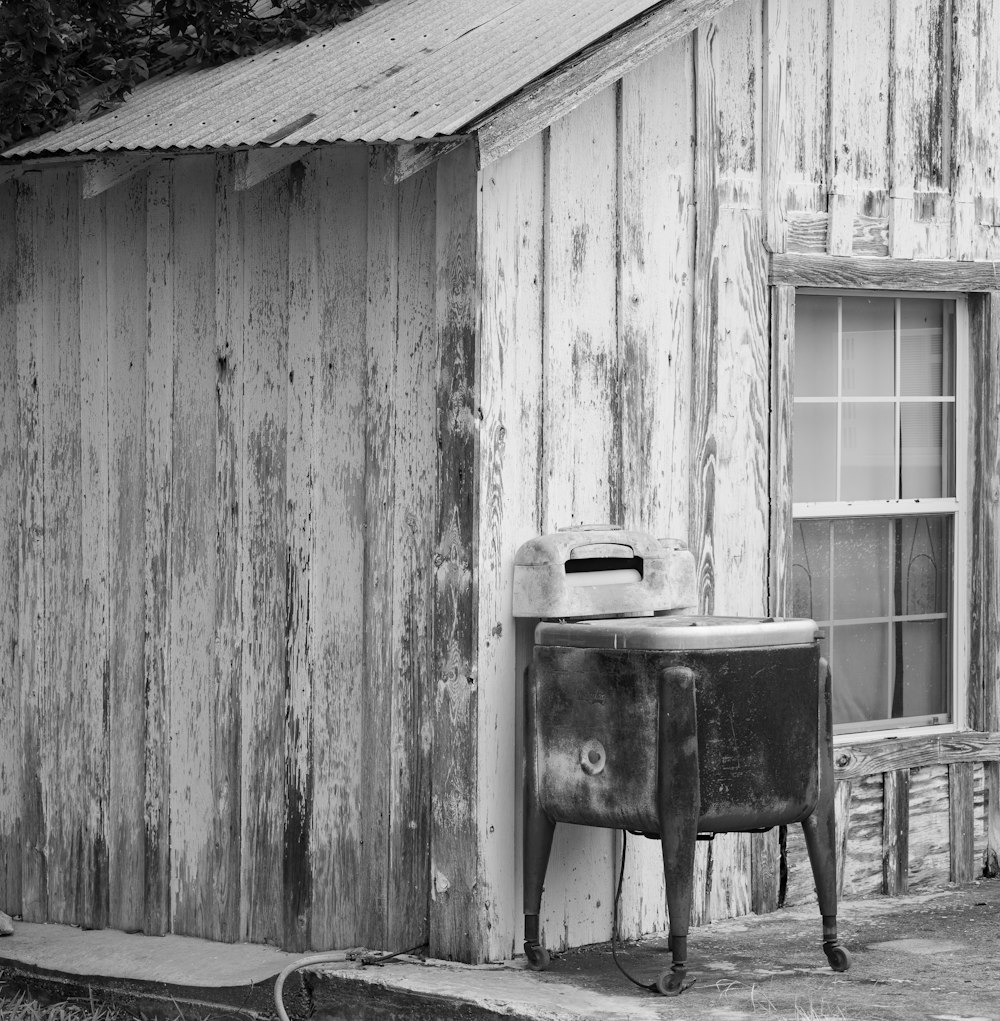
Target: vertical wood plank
pixel 12 748
pixel 412 578
pixel 797 148
pixel 350 762
pixel 984 573
pixel 780 477
pixel 229 509
pixel 961 822
pixel 930 857
pixel 991 855
pixel 94 485
pixel 655 314
pixel 125 218
pixel 582 434
pixel 730 429
pixel 70 708
pixel 380 559
pixel 31 644
pixel 778 121
pixel 303 331
pixel 263 551
pixel 510 379
pixel 157 428
pixel 582 453
pixel 859 116
pixel 456 927
pixel 976 147
pixel 895 831
pixel 204 847
pixel 920 135
pixel 765 871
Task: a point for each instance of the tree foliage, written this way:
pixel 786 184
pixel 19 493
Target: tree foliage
pixel 63 60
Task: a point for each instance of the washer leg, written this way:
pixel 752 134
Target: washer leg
pixel 538 831
pixel 820 831
pixel 679 806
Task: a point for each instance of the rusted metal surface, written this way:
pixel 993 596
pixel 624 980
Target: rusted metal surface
pixel 756 735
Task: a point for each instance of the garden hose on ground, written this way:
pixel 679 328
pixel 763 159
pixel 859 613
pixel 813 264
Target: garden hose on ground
pixel 330 957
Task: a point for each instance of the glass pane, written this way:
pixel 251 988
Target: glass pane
pixel 862 568
pixel 924 558
pixel 925 432
pixel 814 452
pixel 811 570
pixel 922 690
pixel 868 452
pixel 922 349
pixel 816 318
pixel 869 347
pixel 859 663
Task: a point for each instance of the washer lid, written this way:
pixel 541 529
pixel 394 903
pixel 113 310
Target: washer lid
pixel 678 632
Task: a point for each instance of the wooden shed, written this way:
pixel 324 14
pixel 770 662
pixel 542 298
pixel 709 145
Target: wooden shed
pixel 296 352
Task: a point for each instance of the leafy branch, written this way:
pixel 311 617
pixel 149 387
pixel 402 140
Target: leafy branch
pixel 63 60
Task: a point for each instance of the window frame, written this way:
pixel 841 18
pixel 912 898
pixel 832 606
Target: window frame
pixel 958 507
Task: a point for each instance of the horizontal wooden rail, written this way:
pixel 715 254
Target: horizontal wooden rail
pixel 852 762
pixel 884 274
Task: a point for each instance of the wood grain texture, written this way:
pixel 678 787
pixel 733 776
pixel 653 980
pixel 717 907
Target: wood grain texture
pixel 778 121
pixel 456 908
pixel 859 115
pixel 226 503
pixel 263 697
pixel 797 106
pixel 803 270
pixel 984 575
pixel 511 245
pixel 11 749
pixel 852 762
pixel 655 314
pixel 31 546
pixel 301 329
pixel 160 343
pixel 991 852
pixel 920 129
pixel 71 710
pixel 961 822
pixel 554 96
pixel 410 680
pixel 782 374
pixel 930 856
pixel 95 626
pixel 125 221
pixel 581 453
pixel 895 832
pixel 976 148
pixel 380 502
pixel 204 844
pixel 348 826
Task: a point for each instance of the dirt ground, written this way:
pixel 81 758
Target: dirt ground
pixel 935 956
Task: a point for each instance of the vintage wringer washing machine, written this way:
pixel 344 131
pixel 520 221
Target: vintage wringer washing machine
pixel 640 718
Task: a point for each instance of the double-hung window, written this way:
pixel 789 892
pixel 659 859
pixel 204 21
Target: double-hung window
pixel 877 477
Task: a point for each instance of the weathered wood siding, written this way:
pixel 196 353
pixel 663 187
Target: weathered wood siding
pixel 236 499
pixel 648 382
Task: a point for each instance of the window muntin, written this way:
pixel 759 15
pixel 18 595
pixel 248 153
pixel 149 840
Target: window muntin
pixel 875 506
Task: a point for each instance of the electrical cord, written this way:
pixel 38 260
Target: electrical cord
pixel 616 937
pixel 330 957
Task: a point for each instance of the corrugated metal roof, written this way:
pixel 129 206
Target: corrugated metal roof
pixel 404 70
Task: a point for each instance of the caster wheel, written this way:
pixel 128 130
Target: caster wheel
pixel 839 958
pixel 538 956
pixel 672 983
